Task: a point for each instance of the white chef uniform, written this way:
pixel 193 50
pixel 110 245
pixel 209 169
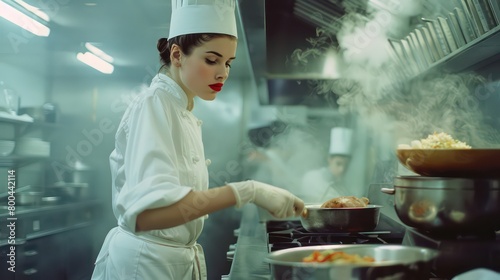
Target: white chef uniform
pixel 158 159
pixel 320 185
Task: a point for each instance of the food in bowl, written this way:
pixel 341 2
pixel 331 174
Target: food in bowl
pixel 346 202
pixel 436 141
pixel 337 257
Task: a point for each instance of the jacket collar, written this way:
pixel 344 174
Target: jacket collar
pixel 171 87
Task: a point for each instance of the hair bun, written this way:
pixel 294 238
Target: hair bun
pixel 162 45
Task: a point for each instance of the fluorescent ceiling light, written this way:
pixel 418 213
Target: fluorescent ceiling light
pixel 33 10
pixel 95 50
pixel 17 17
pixel 95 62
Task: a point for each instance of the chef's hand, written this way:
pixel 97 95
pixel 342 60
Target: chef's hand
pixel 279 202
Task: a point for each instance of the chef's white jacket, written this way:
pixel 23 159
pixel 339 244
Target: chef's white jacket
pixel 157 160
pixel 319 185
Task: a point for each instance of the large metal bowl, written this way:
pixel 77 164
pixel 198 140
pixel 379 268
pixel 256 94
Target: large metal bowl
pixel 317 219
pixel 391 262
pixel 448 205
pixel 470 163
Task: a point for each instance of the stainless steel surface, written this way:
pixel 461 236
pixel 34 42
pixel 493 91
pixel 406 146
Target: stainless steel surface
pixel 456 29
pixel 465 25
pixel 424 47
pixel 435 39
pixel 476 17
pixel 251 248
pixel 29 198
pixel 429 42
pixel 76 191
pixel 20 189
pixel 51 200
pixel 340 219
pixel 470 18
pixel 448 204
pixel 447 33
pixel 391 262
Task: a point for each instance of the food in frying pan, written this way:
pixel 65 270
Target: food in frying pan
pixel 337 257
pixel 436 141
pixel 346 201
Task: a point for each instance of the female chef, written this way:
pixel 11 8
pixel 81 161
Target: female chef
pixel 159 175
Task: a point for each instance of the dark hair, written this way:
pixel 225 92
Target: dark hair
pixel 186 43
pixel 263 136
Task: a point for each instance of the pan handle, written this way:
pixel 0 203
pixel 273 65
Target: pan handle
pixel 388 191
pixel 304 213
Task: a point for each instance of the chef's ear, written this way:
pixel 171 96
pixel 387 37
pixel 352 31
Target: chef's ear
pixel 175 55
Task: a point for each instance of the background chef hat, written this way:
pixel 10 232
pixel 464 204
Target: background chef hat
pixel 203 16
pixel 264 125
pixel 340 141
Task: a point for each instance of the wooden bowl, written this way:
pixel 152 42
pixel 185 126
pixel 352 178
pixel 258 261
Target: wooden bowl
pixel 463 163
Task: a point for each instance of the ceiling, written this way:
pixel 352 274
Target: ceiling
pixel 269 31
pixel 125 29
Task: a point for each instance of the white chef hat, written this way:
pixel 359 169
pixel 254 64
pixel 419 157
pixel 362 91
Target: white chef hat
pixel 263 116
pixel 340 141
pixel 203 16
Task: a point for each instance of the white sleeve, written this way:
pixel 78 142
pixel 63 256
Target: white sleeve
pixel 150 163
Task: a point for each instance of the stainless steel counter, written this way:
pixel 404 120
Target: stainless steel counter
pixel 251 248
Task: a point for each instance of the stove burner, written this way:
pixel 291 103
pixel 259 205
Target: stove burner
pixel 290 234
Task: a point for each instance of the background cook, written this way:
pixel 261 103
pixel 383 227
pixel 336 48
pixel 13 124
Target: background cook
pixel 325 183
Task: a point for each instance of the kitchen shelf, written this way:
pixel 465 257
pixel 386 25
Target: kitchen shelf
pixel 14 121
pixel 19 161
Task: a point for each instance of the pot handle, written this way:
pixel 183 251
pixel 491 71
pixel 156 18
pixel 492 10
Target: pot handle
pixel 388 191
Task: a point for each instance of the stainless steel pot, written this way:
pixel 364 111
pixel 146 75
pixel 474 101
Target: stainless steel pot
pixel 391 262
pixel 317 219
pixel 449 205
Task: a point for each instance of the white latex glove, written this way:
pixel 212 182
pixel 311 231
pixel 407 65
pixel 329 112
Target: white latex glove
pixel 279 202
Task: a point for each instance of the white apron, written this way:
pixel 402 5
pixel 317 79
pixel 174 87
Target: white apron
pixel 157 160
pixel 135 257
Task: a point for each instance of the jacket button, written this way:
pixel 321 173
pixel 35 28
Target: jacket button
pixel 200 122
pixel 208 162
pixel 196 159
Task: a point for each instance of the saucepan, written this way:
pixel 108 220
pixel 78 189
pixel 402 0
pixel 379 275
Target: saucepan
pixel 448 205
pixel 355 219
pixel 395 262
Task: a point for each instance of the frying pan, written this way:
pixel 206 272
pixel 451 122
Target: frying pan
pixel 355 219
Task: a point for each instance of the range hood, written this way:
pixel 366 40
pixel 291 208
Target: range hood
pixel 273 30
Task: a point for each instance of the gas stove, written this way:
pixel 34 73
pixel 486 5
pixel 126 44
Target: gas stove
pixel 457 253
pixel 290 234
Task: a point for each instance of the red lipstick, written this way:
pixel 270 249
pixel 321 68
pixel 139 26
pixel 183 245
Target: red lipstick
pixel 216 87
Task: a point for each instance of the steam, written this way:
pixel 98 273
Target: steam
pixel 374 86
